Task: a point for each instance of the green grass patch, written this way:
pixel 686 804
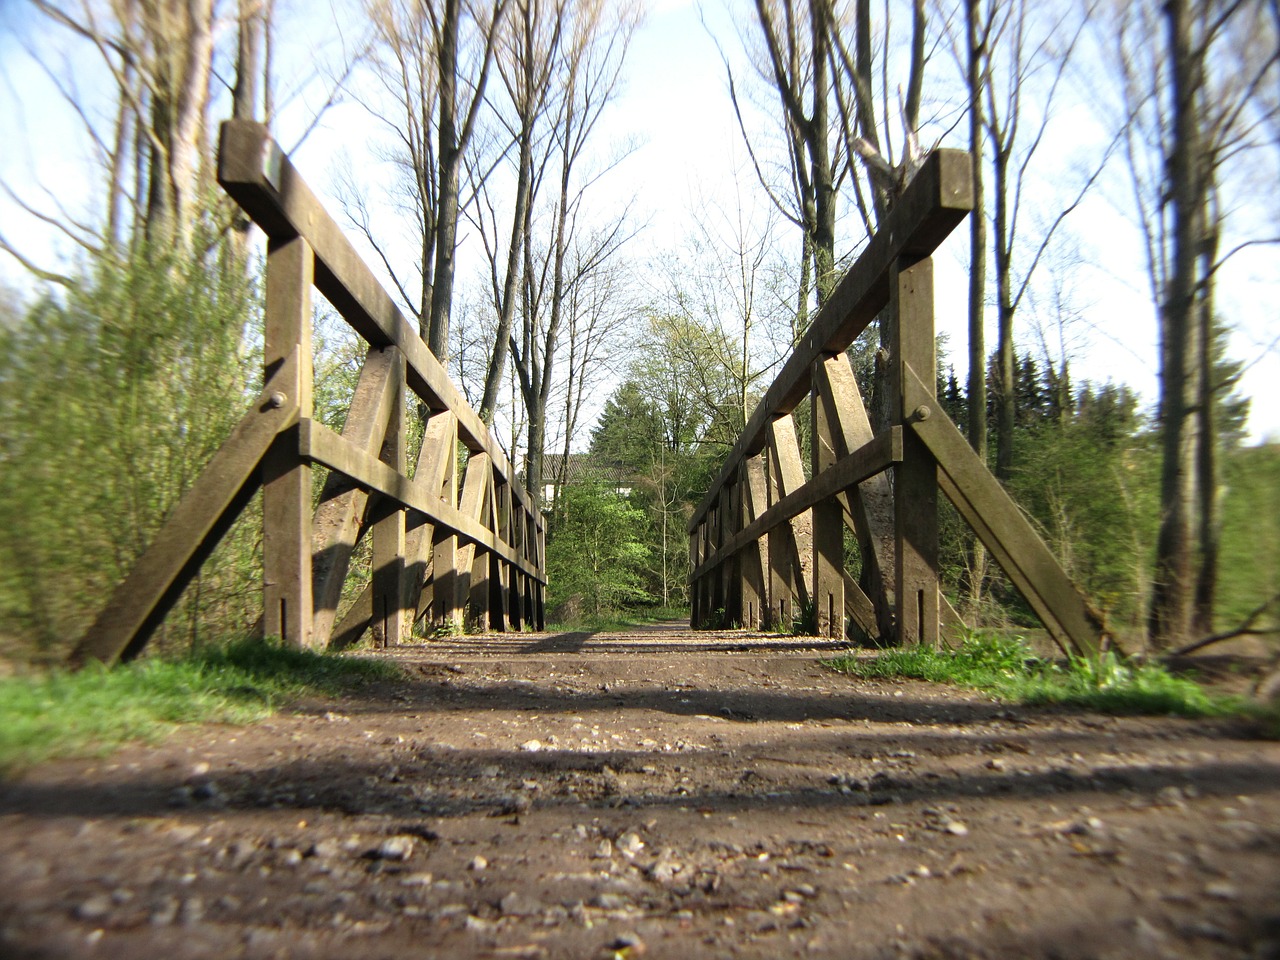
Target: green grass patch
pixel 1005 668
pixel 89 712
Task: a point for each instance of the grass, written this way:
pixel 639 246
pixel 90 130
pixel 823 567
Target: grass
pixel 1005 668
pixel 87 713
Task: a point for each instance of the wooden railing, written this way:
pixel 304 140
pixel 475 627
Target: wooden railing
pixel 456 553
pixel 766 545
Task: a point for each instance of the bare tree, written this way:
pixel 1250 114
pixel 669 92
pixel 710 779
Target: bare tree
pixel 598 36
pixel 530 55
pixel 434 61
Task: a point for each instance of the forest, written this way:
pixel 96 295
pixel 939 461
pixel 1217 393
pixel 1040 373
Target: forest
pixel 618 371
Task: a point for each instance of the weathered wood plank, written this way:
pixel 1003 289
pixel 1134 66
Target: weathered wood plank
pixel 475 492
pixel 1000 524
pixel 876 457
pixel 915 478
pixel 188 536
pixel 869 505
pixel 317 442
pixel 390 623
pixel 286 478
pixel 784 452
pixel 933 204
pixel 336 525
pixel 828 515
pixel 437 457
pixel 751 570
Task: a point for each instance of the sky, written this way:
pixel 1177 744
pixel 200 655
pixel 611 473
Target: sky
pixel 688 153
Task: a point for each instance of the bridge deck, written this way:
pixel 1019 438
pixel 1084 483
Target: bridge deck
pixel 712 795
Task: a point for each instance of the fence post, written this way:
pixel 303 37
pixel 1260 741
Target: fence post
pixel 753 591
pixel 286 495
pixel 828 516
pixel 390 625
pixel 444 565
pixel 916 478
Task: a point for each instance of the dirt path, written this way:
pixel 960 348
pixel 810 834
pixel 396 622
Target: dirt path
pixel 677 795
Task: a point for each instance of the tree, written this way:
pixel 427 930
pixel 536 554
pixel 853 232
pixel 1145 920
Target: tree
pixel 595 551
pixel 434 61
pixel 599 35
pixel 1188 120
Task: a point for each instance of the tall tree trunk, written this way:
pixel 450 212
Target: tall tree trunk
pixel 520 225
pixel 977 382
pixel 1005 399
pixel 824 233
pixel 1208 472
pixel 245 97
pixel 449 154
pixel 1169 617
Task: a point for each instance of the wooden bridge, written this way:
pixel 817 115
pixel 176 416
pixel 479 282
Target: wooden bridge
pixel 767 543
pixel 454 552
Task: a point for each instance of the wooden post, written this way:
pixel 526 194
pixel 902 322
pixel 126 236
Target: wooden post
pixel 286 495
pixel 341 511
pixel 511 581
pixel 755 598
pixel 498 606
pixel 916 477
pixel 444 565
pixel 791 556
pixel 695 584
pixel 869 505
pixel 540 607
pixel 390 623
pixel 828 516
pixel 475 489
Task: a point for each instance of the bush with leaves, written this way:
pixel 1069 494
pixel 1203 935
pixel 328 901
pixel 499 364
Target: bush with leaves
pixel 595 551
pixel 114 393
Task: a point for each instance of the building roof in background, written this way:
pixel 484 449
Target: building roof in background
pixel 556 469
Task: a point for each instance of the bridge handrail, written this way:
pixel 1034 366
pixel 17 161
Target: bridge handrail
pixel 938 198
pixel 261 178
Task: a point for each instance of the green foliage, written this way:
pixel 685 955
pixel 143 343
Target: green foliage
pixel 1250 559
pixel 113 395
pixel 1091 484
pixel 1004 666
pixel 61 714
pixel 595 551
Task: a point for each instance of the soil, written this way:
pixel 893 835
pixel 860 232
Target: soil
pixel 665 793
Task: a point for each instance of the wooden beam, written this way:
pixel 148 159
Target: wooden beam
pixel 201 518
pixel 828 515
pixel 475 492
pixel 868 507
pixel 755 594
pixel 1071 620
pixel 877 456
pixel 286 478
pixel 322 445
pixel 390 620
pixel 935 201
pixel 336 525
pixel 915 478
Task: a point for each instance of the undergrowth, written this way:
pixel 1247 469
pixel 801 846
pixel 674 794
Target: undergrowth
pixel 1005 668
pixel 63 714
pixel 620 621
